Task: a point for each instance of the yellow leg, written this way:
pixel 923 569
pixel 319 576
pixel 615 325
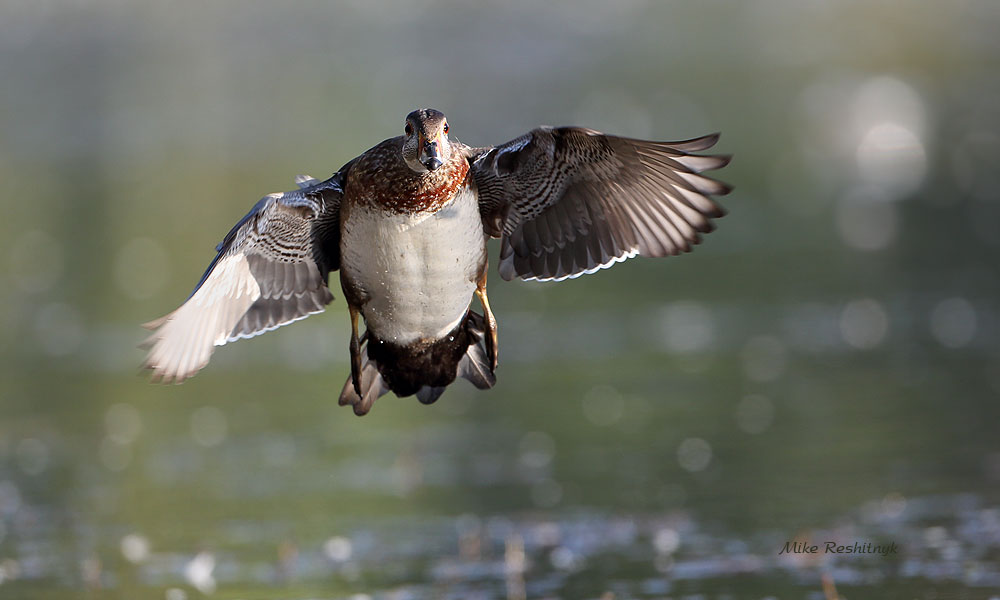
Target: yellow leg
pixel 355 349
pixel 491 324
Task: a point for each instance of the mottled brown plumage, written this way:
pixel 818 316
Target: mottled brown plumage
pixel 406 224
pixel 379 177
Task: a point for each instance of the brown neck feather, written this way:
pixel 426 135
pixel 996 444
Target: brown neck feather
pixel 381 178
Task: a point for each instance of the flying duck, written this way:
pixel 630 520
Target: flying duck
pixel 406 224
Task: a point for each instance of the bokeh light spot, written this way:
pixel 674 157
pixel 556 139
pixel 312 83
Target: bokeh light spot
pixel 536 449
pixel 123 423
pixel 892 157
pixel 687 327
pixel 666 540
pixel 953 322
pixel 209 426
pixel 864 323
pixel 135 548
pixel 338 549
pixel 175 594
pixel 889 122
pixel 887 99
pixel 198 572
pixel 694 454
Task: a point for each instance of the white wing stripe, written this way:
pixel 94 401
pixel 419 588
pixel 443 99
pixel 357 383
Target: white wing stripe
pixel 183 343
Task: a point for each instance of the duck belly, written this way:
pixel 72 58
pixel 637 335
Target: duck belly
pixel 415 274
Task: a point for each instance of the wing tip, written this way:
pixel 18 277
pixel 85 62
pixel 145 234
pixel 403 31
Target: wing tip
pixel 712 138
pixel 695 144
pixel 157 322
pixel 169 375
pixel 304 181
pixel 159 375
pixel 724 160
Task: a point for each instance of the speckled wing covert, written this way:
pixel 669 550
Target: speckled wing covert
pixel 271 269
pixel 568 201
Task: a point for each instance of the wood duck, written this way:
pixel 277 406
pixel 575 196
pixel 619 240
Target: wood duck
pixel 406 223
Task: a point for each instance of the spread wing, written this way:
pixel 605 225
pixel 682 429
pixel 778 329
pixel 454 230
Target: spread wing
pixel 271 269
pixel 568 201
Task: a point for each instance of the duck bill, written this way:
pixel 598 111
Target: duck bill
pixel 430 154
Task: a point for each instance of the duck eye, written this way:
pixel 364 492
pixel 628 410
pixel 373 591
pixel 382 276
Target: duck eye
pixel 446 128
pixel 409 129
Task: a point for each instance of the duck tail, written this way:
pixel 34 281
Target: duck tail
pixel 424 371
pixel 473 364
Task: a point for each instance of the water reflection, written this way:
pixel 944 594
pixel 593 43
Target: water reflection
pixel 938 542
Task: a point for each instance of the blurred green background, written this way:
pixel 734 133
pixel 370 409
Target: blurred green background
pixel 824 367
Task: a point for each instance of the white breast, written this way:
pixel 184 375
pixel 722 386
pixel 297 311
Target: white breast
pixel 418 271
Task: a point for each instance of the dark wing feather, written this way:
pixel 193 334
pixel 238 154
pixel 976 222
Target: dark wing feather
pixel 271 269
pixel 568 201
